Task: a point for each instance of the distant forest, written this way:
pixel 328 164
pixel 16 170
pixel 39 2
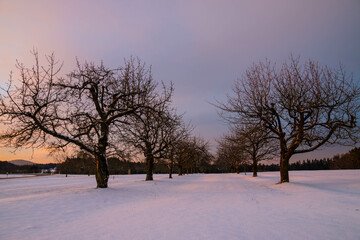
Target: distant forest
pixel 350 160
pixel 7 167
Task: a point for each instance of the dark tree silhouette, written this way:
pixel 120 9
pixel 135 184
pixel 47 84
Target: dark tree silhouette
pixel 83 109
pixel 192 153
pixel 256 141
pixel 231 152
pixel 151 130
pixel 304 105
pixel 174 141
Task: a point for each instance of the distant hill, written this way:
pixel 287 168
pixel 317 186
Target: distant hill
pixel 20 162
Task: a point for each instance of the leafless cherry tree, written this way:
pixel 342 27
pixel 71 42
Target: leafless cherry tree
pixel 151 129
pixel 83 109
pixel 202 156
pixel 256 141
pixel 191 153
pixel 174 141
pixel 304 105
pixel 231 152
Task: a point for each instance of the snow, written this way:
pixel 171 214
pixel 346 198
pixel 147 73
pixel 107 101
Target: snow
pixel 314 205
pixel 16 175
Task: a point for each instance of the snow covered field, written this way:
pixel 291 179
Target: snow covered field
pixel 315 205
pixel 15 175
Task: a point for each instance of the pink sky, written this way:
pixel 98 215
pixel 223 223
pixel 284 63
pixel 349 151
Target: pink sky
pixel 202 46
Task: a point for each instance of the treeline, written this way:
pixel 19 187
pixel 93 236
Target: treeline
pixel 87 165
pixel 7 167
pixel 350 160
pixel 77 165
pixel 84 164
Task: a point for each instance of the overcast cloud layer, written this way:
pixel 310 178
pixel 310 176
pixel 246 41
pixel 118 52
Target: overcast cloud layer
pixel 201 46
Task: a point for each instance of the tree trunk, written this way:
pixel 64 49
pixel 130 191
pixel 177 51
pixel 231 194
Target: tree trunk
pixel 284 168
pixel 255 169
pixel 66 169
pixel 102 172
pixel 171 165
pixel 180 170
pixel 149 167
pixel 170 172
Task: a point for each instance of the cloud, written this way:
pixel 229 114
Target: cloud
pixel 201 46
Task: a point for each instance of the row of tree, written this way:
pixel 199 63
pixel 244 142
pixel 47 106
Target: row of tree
pixel 99 111
pixel 84 165
pixel 274 111
pixel 190 155
pixel 292 109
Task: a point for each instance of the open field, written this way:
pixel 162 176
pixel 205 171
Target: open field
pixel 3 176
pixel 10 176
pixel 315 205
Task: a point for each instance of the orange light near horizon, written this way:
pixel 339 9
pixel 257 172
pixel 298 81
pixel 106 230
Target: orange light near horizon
pixel 33 155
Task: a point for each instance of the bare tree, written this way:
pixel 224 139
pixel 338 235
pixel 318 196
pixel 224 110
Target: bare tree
pixel 83 109
pixel 174 141
pixel 151 129
pixel 256 141
pixel 191 153
pixel 304 105
pixel 231 152
pixel 201 155
pixel 182 155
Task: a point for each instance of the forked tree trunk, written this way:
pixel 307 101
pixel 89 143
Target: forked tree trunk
pixel 102 172
pixel 284 168
pixel 255 168
pixel 149 167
